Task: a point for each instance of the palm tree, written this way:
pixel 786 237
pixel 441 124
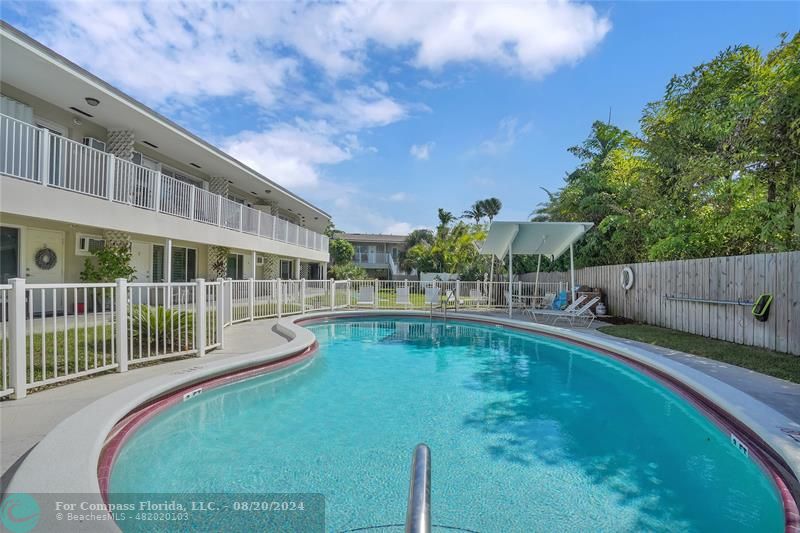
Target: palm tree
pixel 490 207
pixel 475 212
pixel 445 217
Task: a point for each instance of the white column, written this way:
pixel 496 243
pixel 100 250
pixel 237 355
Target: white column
pixel 324 270
pixel 121 334
pixel 200 317
pixel 510 279
pixel 168 261
pixel 572 272
pixel 297 268
pixel 221 312
pixel 16 341
pixel 168 271
pixel 253 259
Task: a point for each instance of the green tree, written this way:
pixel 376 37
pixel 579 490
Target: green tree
pixel 490 207
pixel 341 251
pixel 108 264
pixel 475 212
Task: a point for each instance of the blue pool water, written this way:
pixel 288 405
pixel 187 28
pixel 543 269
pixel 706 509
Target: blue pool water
pixel 526 434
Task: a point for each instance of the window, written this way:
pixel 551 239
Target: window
pixel 235 269
pixel 145 161
pixel 287 269
pixel 9 253
pixel 184 264
pixel 181 176
pixel 88 244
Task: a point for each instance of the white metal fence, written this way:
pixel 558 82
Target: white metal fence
pixel 57 332
pixel 36 154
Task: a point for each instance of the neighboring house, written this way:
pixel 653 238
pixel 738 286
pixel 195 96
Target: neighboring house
pixel 378 254
pixel 83 164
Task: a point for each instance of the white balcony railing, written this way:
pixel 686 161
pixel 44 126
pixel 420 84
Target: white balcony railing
pixel 370 258
pixel 35 154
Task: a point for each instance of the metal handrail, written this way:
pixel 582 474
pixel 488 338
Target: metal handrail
pixel 418 515
pixel 745 303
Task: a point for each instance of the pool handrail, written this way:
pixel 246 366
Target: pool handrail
pixel 418 515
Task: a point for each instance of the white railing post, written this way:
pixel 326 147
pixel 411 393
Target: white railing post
pixel 157 193
pixel 241 218
pixel 458 292
pixel 191 201
pixel 251 293
pixel 303 296
pixel 110 176
pixel 375 296
pixel 16 341
pixel 219 210
pixel 349 294
pixel 200 317
pixel 44 154
pixel 280 298
pixel 121 335
pixel 274 224
pixel 333 293
pixel 221 313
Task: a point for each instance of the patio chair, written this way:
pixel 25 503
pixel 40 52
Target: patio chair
pixel 366 295
pixel 582 312
pixel 536 313
pixel 476 297
pixel 547 301
pixel 432 296
pixel 402 298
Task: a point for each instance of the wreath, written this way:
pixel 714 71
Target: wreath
pixel 46 259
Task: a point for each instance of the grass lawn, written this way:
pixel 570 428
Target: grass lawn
pixel 776 364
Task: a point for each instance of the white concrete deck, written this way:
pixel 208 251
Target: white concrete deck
pixel 25 422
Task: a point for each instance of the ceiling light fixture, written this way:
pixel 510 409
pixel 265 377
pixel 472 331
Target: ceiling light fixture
pixel 94 102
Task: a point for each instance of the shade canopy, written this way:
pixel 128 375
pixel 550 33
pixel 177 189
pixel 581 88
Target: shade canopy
pixel 550 239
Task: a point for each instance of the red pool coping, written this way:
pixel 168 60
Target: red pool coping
pixel 769 460
pixel 131 422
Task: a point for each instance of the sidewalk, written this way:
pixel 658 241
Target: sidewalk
pixel 24 422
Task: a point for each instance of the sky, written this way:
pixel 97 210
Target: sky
pixel 380 113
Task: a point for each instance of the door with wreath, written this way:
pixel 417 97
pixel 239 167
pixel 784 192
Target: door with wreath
pixel 44 263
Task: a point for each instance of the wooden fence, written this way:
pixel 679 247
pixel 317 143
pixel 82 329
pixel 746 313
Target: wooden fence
pixel 656 296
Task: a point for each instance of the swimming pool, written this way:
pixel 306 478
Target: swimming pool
pixel 527 433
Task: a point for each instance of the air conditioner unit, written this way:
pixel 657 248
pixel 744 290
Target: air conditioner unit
pixel 87 244
pixel 97 144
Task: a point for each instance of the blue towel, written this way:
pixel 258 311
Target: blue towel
pixel 560 301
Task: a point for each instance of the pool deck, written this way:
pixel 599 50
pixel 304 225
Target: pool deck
pixel 23 423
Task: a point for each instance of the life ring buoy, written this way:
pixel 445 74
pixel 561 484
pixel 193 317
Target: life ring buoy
pixel 626 278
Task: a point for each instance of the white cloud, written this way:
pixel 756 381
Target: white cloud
pixel 290 154
pixel 422 151
pixel 398 197
pixel 398 228
pixel 506 136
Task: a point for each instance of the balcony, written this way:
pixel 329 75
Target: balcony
pixel 372 259
pixel 36 155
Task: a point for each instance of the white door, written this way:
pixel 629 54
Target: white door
pixel 44 263
pixel 141 261
pixel 372 252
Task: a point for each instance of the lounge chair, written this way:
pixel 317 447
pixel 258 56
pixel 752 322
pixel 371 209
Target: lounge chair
pixel 536 313
pixel 547 301
pixel 582 312
pixel 366 295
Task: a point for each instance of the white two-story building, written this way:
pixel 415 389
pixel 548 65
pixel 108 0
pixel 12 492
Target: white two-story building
pixel 83 164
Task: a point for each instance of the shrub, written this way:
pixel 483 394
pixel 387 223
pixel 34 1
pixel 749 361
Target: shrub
pixel 168 330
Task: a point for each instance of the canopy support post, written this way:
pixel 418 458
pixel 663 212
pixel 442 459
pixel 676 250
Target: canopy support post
pixel 572 272
pixel 510 280
pixel 536 283
pixel 491 282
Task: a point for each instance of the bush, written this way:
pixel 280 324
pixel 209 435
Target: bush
pixel 110 263
pixel 347 271
pixel 168 330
